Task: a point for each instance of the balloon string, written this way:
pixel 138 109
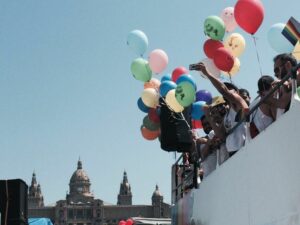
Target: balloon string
pixel 257 55
pixel 230 77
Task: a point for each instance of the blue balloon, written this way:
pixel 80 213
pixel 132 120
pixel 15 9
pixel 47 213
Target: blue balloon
pixel 204 95
pixel 142 106
pixel 188 78
pixel 166 86
pixel 277 41
pixel 197 111
pixel 137 41
pixel 166 77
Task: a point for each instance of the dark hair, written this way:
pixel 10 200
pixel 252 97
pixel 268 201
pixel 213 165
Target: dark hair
pixel 231 86
pixel 244 91
pixel 202 117
pixel 265 83
pixel 285 58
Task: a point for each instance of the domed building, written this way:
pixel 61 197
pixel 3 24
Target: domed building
pixel 81 208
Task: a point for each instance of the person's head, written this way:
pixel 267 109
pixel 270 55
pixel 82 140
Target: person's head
pixel 264 84
pixel 218 109
pixel 283 64
pixel 206 125
pixel 244 93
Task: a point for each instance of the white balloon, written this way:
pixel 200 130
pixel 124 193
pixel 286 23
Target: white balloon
pixel 150 97
pixel 172 101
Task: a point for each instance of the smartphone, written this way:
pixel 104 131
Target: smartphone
pixel 193 67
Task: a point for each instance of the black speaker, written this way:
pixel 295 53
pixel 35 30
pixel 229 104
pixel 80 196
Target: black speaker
pixel 13 202
pixel 175 131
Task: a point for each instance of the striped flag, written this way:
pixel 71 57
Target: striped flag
pixel 291 31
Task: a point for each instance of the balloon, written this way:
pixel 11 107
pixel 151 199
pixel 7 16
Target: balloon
pixel 150 97
pixel 129 222
pixel 137 41
pixel 235 69
pixel 150 125
pixel 211 68
pixel 122 222
pixel 296 52
pixel 166 86
pixel 223 59
pixel 172 102
pixel 210 46
pixel 178 72
pixel 142 106
pixel 165 77
pixel 277 41
pixel 153 83
pixel 249 15
pixel 148 134
pixel 153 115
pixel 204 95
pixel 196 124
pixel 214 27
pixel 158 60
pixel 235 43
pixel 185 93
pixel 197 111
pixel 141 70
pixel 227 15
pixel 188 78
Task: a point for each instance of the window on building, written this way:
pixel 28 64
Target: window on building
pixel 89 213
pixel 79 214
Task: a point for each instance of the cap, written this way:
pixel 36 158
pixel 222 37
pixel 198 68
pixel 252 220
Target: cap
pixel 265 83
pixel 217 101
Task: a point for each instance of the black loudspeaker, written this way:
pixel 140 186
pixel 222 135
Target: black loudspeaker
pixel 175 129
pixel 13 202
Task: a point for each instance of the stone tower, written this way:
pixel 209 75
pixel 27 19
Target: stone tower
pixel 35 197
pixel 125 195
pixel 79 186
pixel 157 201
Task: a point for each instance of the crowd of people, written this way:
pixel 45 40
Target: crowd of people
pixel 233 110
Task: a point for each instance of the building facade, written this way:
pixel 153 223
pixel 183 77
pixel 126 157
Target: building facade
pixel 81 207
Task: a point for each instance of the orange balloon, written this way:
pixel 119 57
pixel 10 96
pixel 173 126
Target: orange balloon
pixel 153 83
pixel 148 134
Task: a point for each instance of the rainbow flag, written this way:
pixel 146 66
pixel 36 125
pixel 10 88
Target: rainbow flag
pixel 291 31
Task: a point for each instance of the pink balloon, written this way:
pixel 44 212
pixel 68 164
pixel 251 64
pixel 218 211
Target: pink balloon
pixel 129 222
pixel 223 59
pixel 122 222
pixel 210 46
pixel 249 15
pixel 158 60
pixel 178 72
pixel 227 15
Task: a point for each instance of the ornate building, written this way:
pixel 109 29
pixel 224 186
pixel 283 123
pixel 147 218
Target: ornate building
pixel 81 208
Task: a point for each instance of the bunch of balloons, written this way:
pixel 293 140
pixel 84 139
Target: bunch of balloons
pixel 127 222
pixel 222 56
pixel 143 70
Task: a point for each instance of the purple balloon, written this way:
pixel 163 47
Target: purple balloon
pixel 204 95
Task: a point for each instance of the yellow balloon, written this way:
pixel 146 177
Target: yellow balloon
pixel 235 69
pixel 296 52
pixel 172 102
pixel 150 97
pixel 235 43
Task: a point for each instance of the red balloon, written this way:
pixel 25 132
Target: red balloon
pixel 196 124
pixel 148 134
pixel 249 15
pixel 153 116
pixel 122 222
pixel 129 222
pixel 223 59
pixel 178 72
pixel 210 46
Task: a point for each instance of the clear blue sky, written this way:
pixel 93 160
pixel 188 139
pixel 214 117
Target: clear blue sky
pixel 66 89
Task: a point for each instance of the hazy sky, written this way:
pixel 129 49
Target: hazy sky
pixel 66 89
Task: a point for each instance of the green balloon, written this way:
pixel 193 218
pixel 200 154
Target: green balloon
pixel 150 125
pixel 140 70
pixel 298 91
pixel 185 93
pixel 214 27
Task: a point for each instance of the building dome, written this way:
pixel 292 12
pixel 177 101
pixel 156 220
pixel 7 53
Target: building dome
pixel 156 193
pixel 79 186
pixel 79 176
